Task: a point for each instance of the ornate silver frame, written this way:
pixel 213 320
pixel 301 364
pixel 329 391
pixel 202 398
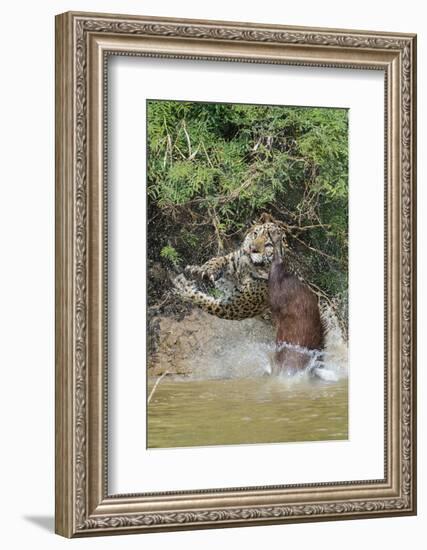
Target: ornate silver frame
pixel 83 505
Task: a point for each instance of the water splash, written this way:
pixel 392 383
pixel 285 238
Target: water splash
pixel 246 349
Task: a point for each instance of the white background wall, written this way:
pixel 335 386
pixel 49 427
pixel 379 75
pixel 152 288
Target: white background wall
pixel 27 273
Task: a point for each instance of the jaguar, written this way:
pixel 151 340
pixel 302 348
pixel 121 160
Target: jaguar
pixel 240 278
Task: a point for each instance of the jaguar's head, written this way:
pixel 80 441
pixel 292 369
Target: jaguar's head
pixel 263 240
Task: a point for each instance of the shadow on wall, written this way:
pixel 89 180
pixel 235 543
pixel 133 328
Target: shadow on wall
pixel 44 522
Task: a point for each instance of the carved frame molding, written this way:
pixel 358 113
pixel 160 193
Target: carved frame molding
pixel 83 43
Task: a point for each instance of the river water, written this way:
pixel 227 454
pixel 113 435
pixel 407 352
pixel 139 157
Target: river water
pixel 231 398
pixel 269 409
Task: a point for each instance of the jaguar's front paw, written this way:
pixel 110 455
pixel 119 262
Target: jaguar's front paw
pixel 193 271
pixel 202 273
pixel 183 287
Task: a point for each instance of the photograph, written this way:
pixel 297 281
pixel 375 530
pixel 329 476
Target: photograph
pixel 247 273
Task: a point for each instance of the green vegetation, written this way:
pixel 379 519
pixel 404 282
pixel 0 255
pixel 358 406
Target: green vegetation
pixel 214 168
pixel 170 254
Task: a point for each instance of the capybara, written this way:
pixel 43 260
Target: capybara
pixel 296 314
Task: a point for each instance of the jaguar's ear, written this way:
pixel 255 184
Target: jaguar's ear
pixel 266 218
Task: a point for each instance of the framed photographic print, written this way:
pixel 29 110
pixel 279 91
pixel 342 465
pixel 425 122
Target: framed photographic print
pixel 235 274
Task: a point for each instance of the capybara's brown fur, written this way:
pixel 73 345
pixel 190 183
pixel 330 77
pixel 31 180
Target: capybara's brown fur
pixel 295 311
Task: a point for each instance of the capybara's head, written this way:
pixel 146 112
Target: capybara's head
pixel 265 239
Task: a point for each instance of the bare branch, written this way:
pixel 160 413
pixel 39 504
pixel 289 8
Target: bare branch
pixel 216 225
pixel 188 139
pixel 155 386
pixel 316 250
pixel 207 156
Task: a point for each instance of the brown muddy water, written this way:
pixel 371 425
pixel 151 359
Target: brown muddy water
pixel 265 409
pixel 212 385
